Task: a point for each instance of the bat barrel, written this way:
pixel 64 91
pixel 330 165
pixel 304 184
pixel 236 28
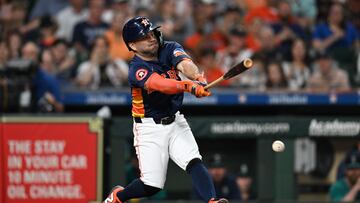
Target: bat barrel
pixel 245 65
pixel 248 63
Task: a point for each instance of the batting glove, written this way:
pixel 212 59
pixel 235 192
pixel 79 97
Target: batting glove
pixel 195 89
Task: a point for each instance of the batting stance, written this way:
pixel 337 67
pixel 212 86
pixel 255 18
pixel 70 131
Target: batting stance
pixel 160 131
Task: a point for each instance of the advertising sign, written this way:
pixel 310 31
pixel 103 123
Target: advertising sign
pixel 51 160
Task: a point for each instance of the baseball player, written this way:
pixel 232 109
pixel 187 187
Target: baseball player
pixel 160 131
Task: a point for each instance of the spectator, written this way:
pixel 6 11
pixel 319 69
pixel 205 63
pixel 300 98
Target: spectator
pixel 85 32
pixel 47 30
pixel 287 28
pixel 253 34
pixel 47 7
pixel 225 185
pixel 211 70
pixel 261 11
pixel 297 71
pixel 42 31
pixel 117 6
pixel 244 183
pixel 13 16
pixel 4 54
pixel 46 87
pixel 14 41
pixel 305 11
pixel 336 33
pixel 117 46
pixel 235 51
pixel 256 78
pixel 253 4
pixel 64 61
pixel 276 79
pixel 328 76
pixel 30 51
pixel 268 47
pixel 47 62
pixel 342 168
pixel 143 11
pixel 206 33
pixel 230 19
pixel 354 8
pixel 347 189
pixel 100 70
pixel 68 17
pixel 174 26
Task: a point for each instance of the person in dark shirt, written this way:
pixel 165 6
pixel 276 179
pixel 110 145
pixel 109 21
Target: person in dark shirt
pixel 86 32
pixel 47 88
pixel 225 184
pixel 347 189
pixel 244 182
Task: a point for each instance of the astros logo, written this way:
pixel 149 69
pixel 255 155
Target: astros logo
pixel 145 22
pixel 141 74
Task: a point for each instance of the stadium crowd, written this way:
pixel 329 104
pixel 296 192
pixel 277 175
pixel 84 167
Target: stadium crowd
pixel 307 45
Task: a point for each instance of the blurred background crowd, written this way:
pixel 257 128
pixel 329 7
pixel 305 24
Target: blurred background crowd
pixel 296 45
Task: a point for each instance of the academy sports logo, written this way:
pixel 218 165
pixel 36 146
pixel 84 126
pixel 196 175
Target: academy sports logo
pixel 141 74
pixel 178 52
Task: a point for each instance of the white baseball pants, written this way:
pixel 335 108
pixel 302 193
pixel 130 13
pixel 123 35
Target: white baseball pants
pixel 156 143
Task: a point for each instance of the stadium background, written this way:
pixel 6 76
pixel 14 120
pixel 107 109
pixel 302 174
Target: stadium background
pixel 319 123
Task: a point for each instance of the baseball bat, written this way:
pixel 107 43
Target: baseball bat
pixel 234 71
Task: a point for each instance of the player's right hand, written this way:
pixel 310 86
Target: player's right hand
pixel 195 89
pixel 200 79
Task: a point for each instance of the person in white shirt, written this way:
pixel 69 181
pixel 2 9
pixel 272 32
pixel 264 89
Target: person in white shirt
pixel 297 70
pixel 68 17
pixel 117 6
pixel 100 70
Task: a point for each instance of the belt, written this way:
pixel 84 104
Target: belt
pixel 165 120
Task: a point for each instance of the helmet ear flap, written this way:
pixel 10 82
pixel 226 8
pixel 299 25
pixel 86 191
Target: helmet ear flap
pixel 159 36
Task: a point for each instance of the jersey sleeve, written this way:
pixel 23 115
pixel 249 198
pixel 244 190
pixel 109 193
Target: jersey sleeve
pixel 176 54
pixel 138 75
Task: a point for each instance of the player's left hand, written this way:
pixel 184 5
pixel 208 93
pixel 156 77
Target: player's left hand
pixel 196 89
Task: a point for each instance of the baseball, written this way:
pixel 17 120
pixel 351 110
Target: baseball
pixel 278 146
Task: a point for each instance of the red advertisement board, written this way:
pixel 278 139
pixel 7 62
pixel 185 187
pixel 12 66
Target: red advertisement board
pixel 1 167
pixel 51 161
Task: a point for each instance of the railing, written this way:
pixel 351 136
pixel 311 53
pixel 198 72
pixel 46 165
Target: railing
pixel 219 97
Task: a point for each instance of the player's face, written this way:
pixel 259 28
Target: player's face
pixel 353 175
pixel 147 46
pixel 217 173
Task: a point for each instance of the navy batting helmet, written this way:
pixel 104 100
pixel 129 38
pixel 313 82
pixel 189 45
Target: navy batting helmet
pixel 137 28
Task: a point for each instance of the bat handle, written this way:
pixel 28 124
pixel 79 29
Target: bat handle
pixel 213 83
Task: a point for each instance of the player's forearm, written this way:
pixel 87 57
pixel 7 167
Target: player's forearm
pixel 189 69
pixel 168 86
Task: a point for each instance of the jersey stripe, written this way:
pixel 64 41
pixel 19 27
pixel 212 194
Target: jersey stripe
pixel 138 109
